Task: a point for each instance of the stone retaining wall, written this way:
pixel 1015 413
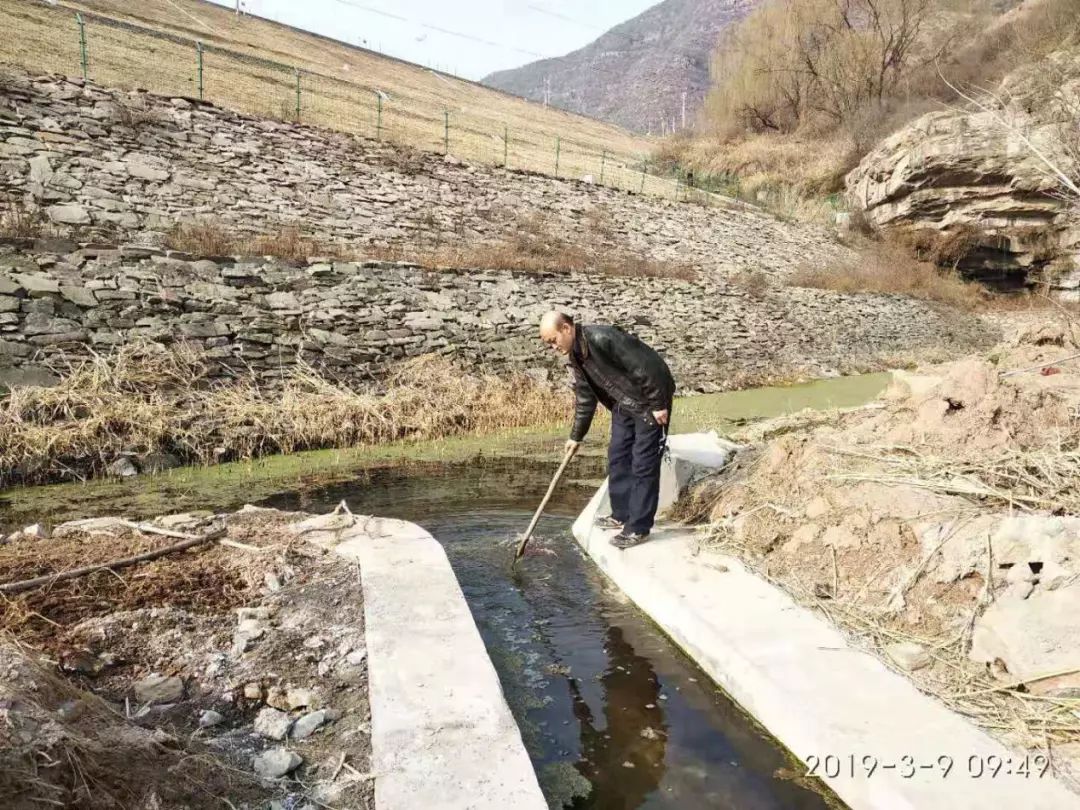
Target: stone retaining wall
pixel 353 319
pixel 131 165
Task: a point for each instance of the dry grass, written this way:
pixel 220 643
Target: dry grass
pixel 210 239
pixel 149 399
pixel 74 750
pixel 339 85
pixel 18 221
pixel 531 246
pixel 884 267
pixel 813 155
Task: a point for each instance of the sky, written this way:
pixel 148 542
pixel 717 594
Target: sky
pixel 469 38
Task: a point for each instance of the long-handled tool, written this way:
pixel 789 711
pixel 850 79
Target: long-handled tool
pixel 540 510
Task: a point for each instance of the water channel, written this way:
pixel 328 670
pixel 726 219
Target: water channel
pixel 611 711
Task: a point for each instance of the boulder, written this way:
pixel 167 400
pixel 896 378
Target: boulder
pixel 276 762
pixel 272 724
pixel 157 689
pixel 1033 636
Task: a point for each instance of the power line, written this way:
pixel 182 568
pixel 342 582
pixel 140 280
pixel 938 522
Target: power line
pixel 439 29
pixel 558 16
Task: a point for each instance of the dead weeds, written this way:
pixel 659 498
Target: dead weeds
pixel 148 399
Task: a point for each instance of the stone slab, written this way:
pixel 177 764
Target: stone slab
pixel 442 733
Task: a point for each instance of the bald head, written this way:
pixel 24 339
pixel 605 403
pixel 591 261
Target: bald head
pixel 557 331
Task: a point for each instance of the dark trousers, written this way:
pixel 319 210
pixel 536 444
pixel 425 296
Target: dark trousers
pixel 634 455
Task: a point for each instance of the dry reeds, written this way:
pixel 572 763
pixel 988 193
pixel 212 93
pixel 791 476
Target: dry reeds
pixel 885 267
pixel 146 399
pixel 210 239
pixel 1042 479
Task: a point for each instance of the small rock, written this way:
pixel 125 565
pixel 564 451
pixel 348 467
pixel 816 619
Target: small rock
pixel 71 710
pixel 628 764
pixel 68 214
pixel 356 657
pixel 276 763
pixel 251 628
pixel 157 689
pixel 273 582
pixel 314 642
pixel 272 724
pixel 122 468
pixel 308 725
pixel 300 698
pixel 36 532
pixel 650 733
pixel 210 718
pixel 909 655
pixel 275 696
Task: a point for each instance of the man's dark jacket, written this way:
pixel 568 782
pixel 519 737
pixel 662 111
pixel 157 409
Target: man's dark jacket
pixel 616 368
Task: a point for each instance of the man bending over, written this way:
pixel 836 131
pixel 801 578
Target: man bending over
pixel 633 382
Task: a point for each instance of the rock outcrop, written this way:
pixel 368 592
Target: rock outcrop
pixel 969 192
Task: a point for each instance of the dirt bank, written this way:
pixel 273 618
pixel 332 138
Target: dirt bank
pixel 939 526
pixel 234 672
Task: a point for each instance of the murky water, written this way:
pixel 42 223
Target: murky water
pixel 612 713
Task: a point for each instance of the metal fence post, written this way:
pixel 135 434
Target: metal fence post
pixel 603 160
pixel 297 94
pixel 82 47
pixel 198 46
pixel 644 168
pixel 558 150
pixel 506 147
pixel 378 118
pixel 446 132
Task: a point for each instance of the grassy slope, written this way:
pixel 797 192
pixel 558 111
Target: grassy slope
pixel 343 96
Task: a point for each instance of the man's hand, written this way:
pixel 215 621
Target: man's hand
pixel 571 447
pixel 661 417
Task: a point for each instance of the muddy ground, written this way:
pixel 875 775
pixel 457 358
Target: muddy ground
pixel 232 674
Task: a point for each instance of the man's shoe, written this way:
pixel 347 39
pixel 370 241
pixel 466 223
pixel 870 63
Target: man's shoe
pixel 624 539
pixel 609 522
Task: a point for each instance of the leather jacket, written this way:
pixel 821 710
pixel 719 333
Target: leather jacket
pixel 616 368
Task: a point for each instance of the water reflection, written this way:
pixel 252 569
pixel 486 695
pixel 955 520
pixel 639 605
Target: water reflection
pixel 622 755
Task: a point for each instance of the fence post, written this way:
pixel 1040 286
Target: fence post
pixel 603 160
pixel 297 95
pixel 506 147
pixel 446 132
pixel 558 150
pixel 82 47
pixel 198 46
pixel 644 168
pixel 378 117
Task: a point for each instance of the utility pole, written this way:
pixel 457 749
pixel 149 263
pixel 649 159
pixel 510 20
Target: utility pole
pixel 684 109
pixel 237 8
pixel 547 90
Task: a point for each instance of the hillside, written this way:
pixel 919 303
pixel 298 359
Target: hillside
pixel 635 74
pixel 250 65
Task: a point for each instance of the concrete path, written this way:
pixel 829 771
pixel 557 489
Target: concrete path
pixel 796 675
pixel 442 734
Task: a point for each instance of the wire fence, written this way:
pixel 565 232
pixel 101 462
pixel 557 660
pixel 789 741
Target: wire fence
pixel 113 52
